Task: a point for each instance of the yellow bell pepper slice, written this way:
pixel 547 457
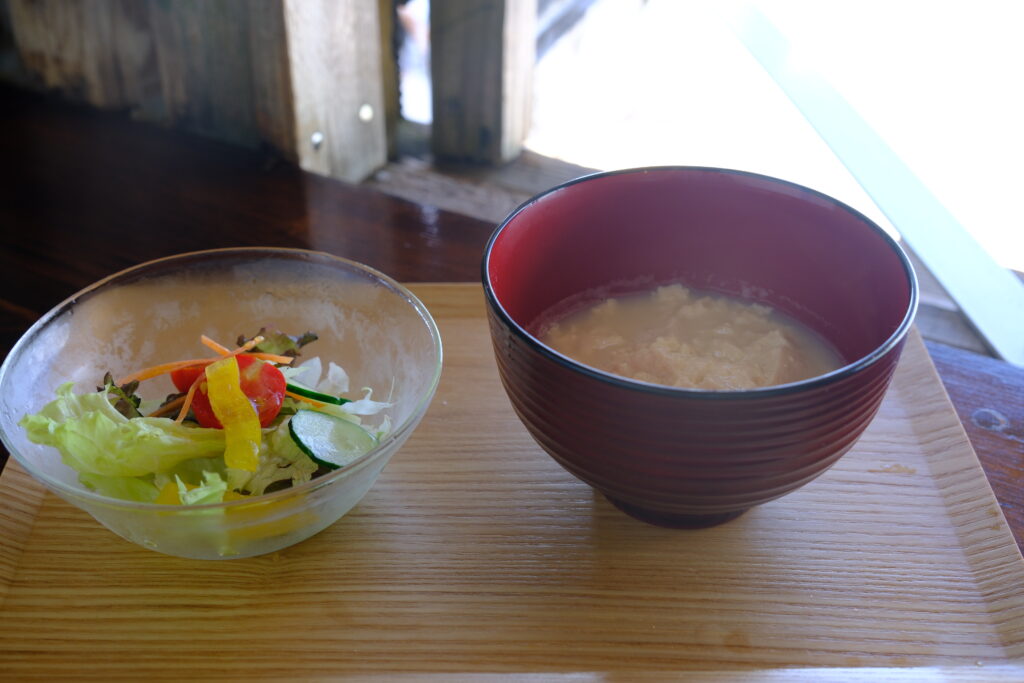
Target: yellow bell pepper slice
pixel 236 413
pixel 169 494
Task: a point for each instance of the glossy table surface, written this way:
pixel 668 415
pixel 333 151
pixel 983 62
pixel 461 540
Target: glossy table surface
pixel 85 194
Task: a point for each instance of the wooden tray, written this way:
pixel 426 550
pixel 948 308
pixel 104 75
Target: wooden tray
pixel 475 554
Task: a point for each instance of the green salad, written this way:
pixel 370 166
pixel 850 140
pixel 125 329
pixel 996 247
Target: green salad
pixel 242 423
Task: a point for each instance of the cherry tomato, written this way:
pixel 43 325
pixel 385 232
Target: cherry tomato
pixel 183 378
pixel 261 382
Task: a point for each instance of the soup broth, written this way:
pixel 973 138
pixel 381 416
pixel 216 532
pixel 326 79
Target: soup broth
pixel 679 337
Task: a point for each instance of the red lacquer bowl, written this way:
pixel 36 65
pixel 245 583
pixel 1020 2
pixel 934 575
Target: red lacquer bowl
pixel 685 457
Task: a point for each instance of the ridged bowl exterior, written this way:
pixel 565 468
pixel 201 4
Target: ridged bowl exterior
pixel 687 457
pixel 678 455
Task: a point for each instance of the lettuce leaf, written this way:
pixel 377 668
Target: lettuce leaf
pixel 94 438
pixel 212 490
pixel 194 471
pixel 336 382
pixel 280 460
pixel 276 341
pixel 139 489
pixel 366 405
pixel 306 374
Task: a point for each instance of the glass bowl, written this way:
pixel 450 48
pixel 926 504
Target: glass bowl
pixel 369 324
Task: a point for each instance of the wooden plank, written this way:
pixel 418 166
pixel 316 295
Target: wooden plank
pixel 988 396
pixel 484 192
pixel 16 515
pixel 184 63
pixel 95 51
pixel 272 104
pixel 949 327
pixel 335 57
pixel 520 53
pixel 12 68
pixel 389 74
pixel 203 57
pixel 303 76
pixel 475 554
pixel 482 56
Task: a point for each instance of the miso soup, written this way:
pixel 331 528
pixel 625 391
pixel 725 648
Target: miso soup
pixel 683 338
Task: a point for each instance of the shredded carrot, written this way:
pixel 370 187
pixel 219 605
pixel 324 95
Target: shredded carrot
pixel 307 399
pixel 244 348
pixel 255 341
pixel 222 350
pixel 272 357
pixel 225 351
pixel 163 369
pixel 169 407
pixel 186 402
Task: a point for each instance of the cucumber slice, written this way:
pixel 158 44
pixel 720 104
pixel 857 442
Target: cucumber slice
pixel 330 441
pixel 316 395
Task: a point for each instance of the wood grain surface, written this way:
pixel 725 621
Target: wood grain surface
pixel 476 556
pixel 989 399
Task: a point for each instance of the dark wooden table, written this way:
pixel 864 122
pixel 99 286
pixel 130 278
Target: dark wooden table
pixel 85 194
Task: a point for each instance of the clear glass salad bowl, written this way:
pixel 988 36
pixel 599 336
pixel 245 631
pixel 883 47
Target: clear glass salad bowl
pixel 367 323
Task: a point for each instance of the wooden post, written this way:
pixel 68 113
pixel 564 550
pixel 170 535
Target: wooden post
pixel 301 75
pixel 334 52
pixel 482 55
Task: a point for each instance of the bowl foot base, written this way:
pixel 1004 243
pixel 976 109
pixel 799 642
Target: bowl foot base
pixel 674 520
